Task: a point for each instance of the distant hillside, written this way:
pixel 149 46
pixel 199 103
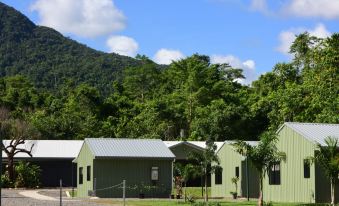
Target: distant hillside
pixel 48 58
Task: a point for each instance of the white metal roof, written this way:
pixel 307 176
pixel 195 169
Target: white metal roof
pixel 49 148
pixel 315 132
pixel 128 148
pixel 252 143
pixel 171 143
pixel 71 148
pixel 200 144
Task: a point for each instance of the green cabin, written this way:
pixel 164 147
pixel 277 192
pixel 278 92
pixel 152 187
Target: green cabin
pixel 296 180
pixel 145 165
pixel 234 165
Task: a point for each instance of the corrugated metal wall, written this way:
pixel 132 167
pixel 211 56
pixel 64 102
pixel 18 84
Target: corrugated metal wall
pixel 229 159
pixel 253 181
pixel 323 187
pixel 294 187
pixel 137 173
pixel 85 158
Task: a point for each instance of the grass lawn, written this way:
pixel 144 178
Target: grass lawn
pixel 146 202
pixel 193 191
pixel 196 193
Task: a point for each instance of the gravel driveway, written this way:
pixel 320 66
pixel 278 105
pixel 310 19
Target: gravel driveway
pixel 12 197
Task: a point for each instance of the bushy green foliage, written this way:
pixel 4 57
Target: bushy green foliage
pixel 27 175
pixel 305 90
pixel 69 91
pixel 6 182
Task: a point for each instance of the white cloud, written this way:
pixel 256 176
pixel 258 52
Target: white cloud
pixel 247 66
pixel 328 9
pixel 259 5
pixel 166 56
pixel 85 18
pixel 122 45
pixel 286 38
pixel 320 31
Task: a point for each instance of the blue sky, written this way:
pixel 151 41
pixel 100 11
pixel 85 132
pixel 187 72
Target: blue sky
pixel 250 34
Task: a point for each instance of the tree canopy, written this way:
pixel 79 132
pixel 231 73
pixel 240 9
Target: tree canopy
pixel 69 91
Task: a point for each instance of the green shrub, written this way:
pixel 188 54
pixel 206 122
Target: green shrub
pixel 5 181
pixel 28 175
pixel 191 199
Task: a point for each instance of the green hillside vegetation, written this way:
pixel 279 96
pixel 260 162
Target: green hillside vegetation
pixel 69 91
pixel 49 59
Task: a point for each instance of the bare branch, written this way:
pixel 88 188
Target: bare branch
pixel 23 151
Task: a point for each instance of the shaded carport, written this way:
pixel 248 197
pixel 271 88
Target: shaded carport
pixel 182 151
pixel 54 157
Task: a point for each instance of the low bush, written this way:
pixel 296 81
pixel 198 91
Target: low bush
pixel 28 175
pixel 5 181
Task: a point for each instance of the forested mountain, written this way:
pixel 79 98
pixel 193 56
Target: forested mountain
pixel 48 58
pixel 68 91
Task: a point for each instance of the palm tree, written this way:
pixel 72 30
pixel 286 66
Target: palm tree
pixel 262 156
pixel 235 181
pixel 328 158
pixel 206 162
pixel 184 172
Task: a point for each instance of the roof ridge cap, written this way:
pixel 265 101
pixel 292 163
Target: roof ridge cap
pixel 312 123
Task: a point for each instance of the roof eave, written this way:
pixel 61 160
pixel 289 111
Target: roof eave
pixel 124 157
pixel 188 144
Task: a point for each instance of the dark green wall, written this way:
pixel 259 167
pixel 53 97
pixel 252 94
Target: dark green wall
pixel 323 187
pixel 137 173
pixel 253 181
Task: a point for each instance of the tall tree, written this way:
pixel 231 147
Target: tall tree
pixel 262 156
pixel 206 162
pixel 305 90
pixel 17 132
pixel 73 116
pixel 139 82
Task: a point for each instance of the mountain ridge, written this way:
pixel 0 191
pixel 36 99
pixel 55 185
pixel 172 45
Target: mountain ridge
pixel 49 59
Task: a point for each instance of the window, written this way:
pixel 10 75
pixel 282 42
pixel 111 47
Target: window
pixel 307 169
pixel 155 174
pixel 81 175
pixel 237 172
pixel 274 174
pixel 88 173
pixel 218 176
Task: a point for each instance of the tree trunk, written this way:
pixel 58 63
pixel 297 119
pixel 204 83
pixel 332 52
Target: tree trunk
pixel 202 186
pixel 185 190
pixel 260 199
pixel 10 168
pixel 236 188
pixel 206 193
pixel 332 192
